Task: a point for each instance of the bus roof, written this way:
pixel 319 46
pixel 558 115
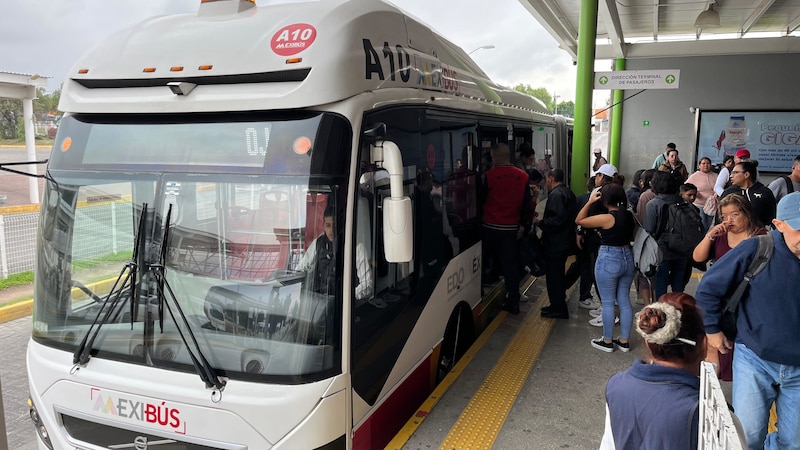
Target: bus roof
pixel 234 56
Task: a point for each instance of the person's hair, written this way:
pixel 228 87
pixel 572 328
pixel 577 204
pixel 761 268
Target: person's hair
pixel 330 211
pixel 636 177
pixel 665 183
pixel 670 326
pixel 618 178
pixel 704 158
pixel 744 207
pixel 796 160
pixel 613 194
pixel 526 150
pixel 726 159
pixel 673 150
pixel 590 184
pixel 647 178
pixel 557 174
pixel 672 145
pixel 500 153
pixel 685 187
pixel 750 167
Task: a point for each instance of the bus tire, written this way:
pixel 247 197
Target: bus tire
pixel 458 336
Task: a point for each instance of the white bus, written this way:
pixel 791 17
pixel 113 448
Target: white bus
pixel 202 160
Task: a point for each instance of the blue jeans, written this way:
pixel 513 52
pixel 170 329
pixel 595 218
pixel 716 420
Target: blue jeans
pixel 756 384
pixel 671 273
pixel 613 274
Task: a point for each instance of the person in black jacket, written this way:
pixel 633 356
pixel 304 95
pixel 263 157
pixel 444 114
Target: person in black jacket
pixel 558 240
pixel 744 177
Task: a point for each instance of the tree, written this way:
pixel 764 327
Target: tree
pixel 46 103
pixel 566 109
pixel 540 93
pixel 10 117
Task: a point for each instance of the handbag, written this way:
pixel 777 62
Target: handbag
pixel 711 205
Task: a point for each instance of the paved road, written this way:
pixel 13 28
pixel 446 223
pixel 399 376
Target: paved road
pixel 16 187
pixel 14 377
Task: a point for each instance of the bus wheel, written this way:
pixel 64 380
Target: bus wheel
pixel 458 336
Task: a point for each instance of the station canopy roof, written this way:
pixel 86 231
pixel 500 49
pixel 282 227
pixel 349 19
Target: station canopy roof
pixel 635 29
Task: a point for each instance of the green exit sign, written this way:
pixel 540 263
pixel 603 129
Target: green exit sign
pixel 645 123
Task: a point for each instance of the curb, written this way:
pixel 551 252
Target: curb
pixel 25 307
pixel 15 311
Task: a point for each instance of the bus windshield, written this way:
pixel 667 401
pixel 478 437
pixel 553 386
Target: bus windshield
pixel 234 261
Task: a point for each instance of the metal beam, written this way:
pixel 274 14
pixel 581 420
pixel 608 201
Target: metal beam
pixel 755 16
pixel 609 14
pixel 785 44
pixel 655 20
pixel 554 23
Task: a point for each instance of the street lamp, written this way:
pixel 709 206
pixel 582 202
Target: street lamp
pixel 555 103
pixel 482 47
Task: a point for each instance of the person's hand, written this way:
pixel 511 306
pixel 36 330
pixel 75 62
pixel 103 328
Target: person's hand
pixel 718 230
pixel 579 241
pixel 719 342
pixel 595 195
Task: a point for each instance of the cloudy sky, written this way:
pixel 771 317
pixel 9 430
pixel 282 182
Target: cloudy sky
pixel 48 36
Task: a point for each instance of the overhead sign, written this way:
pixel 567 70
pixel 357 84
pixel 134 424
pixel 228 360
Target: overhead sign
pixel 637 79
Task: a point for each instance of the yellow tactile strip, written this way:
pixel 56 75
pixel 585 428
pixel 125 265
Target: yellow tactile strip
pixel 482 419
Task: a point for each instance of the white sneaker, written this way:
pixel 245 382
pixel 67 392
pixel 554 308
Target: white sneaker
pixel 596 312
pixel 589 303
pixel 598 321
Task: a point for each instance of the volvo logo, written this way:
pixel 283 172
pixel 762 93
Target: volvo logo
pixel 141 443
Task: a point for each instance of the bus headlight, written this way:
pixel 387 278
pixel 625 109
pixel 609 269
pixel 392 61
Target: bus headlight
pixel 44 435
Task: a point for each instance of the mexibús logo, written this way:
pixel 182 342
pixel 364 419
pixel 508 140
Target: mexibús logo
pixel 293 39
pixel 163 415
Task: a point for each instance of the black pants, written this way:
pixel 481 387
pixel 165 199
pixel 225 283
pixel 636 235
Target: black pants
pixel 583 267
pixel 556 281
pixel 503 247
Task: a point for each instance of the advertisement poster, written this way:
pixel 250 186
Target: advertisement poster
pixel 773 137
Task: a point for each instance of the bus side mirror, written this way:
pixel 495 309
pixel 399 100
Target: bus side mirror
pixel 398 230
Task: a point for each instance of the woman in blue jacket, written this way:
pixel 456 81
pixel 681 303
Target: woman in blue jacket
pixel 654 404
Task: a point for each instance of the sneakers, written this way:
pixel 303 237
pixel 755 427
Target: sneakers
pixel 624 347
pixel 598 321
pixel 602 345
pixel 596 312
pixel 589 303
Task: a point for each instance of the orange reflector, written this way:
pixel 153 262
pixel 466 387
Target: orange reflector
pixel 205 67
pixel 302 145
pixel 176 68
pixel 294 60
pixel 149 69
pixel 83 71
pixel 66 144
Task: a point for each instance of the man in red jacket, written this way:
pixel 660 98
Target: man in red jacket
pixel 507 216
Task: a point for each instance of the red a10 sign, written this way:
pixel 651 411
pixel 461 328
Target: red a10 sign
pixel 293 39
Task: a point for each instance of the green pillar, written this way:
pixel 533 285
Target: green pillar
pixel 582 136
pixel 615 132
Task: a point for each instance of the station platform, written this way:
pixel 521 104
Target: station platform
pixel 527 383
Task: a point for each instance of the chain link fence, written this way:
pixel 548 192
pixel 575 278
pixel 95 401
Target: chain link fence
pixel 100 229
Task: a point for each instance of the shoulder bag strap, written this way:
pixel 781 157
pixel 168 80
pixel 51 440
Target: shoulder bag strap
pixel 766 245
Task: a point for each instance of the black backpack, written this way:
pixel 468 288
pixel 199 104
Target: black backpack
pixel 682 228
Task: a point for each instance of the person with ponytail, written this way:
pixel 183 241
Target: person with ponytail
pixel 654 404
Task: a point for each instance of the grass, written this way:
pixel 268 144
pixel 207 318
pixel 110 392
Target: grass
pixel 91 263
pixel 17 279
pixel 21 141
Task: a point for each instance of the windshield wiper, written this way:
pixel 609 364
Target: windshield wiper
pixel 204 369
pixel 128 277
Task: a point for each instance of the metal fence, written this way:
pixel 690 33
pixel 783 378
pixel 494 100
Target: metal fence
pixel 717 428
pixel 100 229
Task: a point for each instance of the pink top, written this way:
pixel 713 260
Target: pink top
pixel 705 186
